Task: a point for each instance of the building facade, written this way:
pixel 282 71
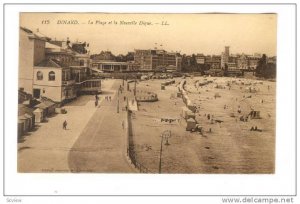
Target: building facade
pixel 200 59
pixel 156 60
pixel 213 61
pixel 225 57
pixel 53 81
pixel 31 53
pixel 252 62
pixel 242 62
pixel 53 69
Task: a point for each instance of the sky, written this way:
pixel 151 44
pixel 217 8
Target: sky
pixel 187 33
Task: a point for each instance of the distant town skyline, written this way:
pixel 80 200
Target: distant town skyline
pixel 185 33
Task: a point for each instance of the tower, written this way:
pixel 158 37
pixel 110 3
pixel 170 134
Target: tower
pixel 225 57
pixel 227 51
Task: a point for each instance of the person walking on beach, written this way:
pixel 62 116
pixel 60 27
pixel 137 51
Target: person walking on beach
pixel 65 125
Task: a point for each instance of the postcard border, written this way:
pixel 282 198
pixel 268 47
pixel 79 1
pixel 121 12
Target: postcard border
pixel 3 9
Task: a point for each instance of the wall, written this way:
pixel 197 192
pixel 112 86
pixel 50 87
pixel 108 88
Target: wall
pixel 52 88
pixel 26 50
pixel 52 92
pixel 39 51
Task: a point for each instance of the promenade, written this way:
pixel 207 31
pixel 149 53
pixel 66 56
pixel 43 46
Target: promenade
pixel 94 135
pixel 101 147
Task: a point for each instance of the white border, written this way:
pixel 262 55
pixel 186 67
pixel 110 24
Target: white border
pixel 281 183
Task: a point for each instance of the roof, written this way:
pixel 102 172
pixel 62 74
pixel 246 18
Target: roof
pixel 41 105
pixel 41 35
pixel 20 121
pixel 52 46
pixel 190 120
pixel 109 62
pixel 45 103
pixel 27 115
pixel 31 102
pixel 22 110
pixel 36 35
pixel 48 102
pixel 26 30
pixel 49 63
pixel 38 110
pixel 58 43
pixel 189 112
pixel 96 70
pixel 78 67
pixel 22 117
pixel 184 108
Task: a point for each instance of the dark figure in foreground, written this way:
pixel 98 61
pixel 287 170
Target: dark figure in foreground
pixel 65 125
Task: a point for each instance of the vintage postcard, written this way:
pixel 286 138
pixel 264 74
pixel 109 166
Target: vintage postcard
pixel 147 93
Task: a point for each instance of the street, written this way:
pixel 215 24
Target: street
pixel 101 145
pixel 93 142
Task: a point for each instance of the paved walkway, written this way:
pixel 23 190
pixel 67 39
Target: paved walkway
pixel 101 147
pixel 47 149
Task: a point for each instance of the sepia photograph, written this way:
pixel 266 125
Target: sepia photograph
pixel 147 93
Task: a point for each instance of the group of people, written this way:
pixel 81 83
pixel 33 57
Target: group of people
pixel 255 129
pixel 108 98
pixel 168 120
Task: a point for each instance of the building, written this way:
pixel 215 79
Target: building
pixel 104 56
pixel 225 57
pixel 157 60
pixel 231 66
pixel 242 62
pixel 52 77
pixel 82 72
pixel 54 81
pixel 144 59
pixel 271 60
pixel 200 59
pixel 108 66
pixel 252 62
pixel 214 61
pixel 58 70
pixel 31 53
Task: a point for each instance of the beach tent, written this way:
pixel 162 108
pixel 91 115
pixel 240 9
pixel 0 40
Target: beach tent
pixel 25 117
pixel 190 124
pixel 254 114
pixel 39 115
pixel 26 122
pixel 21 124
pixel 186 113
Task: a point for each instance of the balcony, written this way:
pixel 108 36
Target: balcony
pixel 90 86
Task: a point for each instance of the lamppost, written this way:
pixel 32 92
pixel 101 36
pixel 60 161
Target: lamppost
pixel 164 136
pixel 134 87
pixel 118 107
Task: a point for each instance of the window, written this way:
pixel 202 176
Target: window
pixel 81 63
pixel 39 75
pixel 51 76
